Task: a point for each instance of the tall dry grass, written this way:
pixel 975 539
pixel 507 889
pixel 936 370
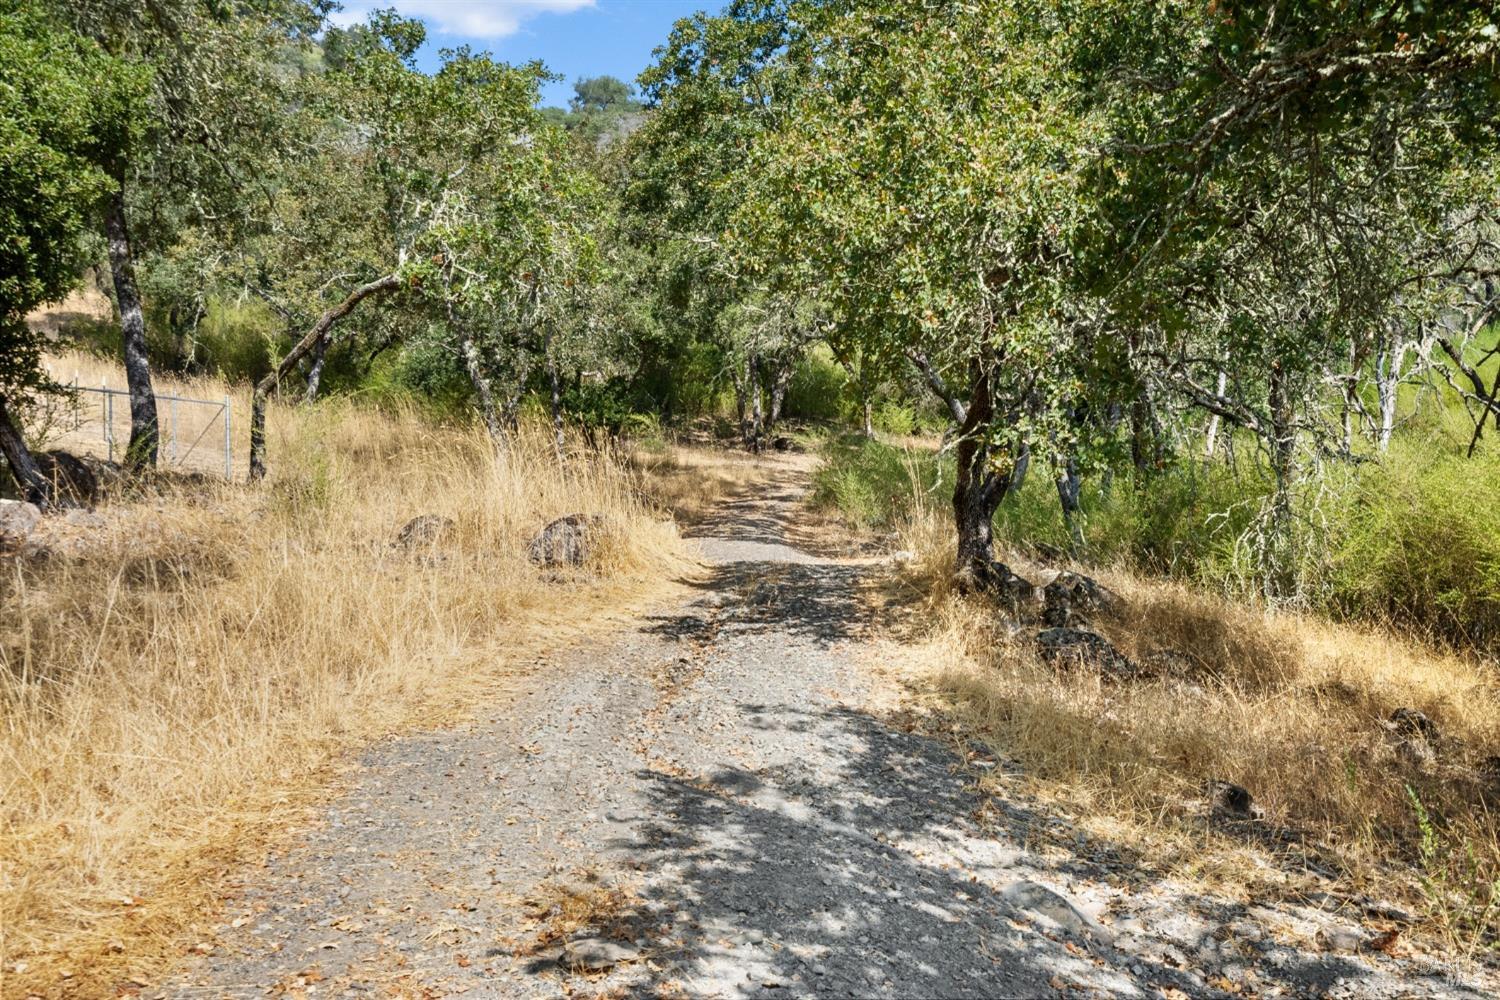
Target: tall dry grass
pixel 691 479
pixel 1293 707
pixel 175 682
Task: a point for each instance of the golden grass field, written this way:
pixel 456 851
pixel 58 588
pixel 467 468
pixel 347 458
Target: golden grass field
pixel 179 681
pixel 1288 705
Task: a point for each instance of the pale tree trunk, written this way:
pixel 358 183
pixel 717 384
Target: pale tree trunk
pixel 1211 438
pixel 321 329
pixel 315 372
pixel 781 380
pixel 1069 488
pixel 483 387
pixel 757 414
pixel 751 423
pixel 860 378
pixel 1277 555
pixel 34 486
pixel 1387 383
pixel 144 432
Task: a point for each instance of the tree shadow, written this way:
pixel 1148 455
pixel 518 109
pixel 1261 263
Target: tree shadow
pixel 871 878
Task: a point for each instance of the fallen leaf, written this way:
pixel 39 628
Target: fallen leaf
pixel 1386 942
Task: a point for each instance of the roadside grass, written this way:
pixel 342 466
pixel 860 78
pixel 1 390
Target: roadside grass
pixel 1291 705
pixel 690 478
pixel 179 681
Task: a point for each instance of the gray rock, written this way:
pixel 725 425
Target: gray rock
pixel 1076 647
pixel 1014 590
pixel 567 541
pixel 596 954
pixel 1040 901
pixel 1072 596
pixel 1341 939
pixel 1233 801
pixel 18 519
pixel 424 530
pixel 1411 723
pixel 1416 737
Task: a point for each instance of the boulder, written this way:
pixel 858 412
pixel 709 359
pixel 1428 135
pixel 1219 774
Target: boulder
pixel 1072 595
pixel 783 444
pixel 424 530
pixel 1232 801
pixel 1076 647
pixel 997 579
pixel 1411 724
pixel 567 541
pixel 1416 737
pixel 18 519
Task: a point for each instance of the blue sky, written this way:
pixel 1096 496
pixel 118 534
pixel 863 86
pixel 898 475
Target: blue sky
pixel 573 37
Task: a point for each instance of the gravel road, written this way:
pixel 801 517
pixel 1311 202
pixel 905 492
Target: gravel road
pixel 712 804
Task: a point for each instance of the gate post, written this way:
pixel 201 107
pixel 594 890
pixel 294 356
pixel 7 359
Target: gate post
pixel 228 470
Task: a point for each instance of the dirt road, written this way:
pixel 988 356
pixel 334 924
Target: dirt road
pixel 720 802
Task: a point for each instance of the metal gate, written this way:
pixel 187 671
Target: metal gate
pixel 195 434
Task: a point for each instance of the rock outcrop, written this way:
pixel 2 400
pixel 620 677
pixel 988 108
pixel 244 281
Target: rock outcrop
pixel 424 530
pixel 18 520
pixel 567 541
pixel 1072 596
pixel 1080 648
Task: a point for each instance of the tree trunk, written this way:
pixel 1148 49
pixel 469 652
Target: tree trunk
pixel 34 486
pixel 1211 438
pixel 1387 382
pixel 751 423
pixel 144 432
pixel 867 424
pixel 315 373
pixel 1069 487
pixel 320 330
pixel 483 387
pixel 780 381
pixel 978 490
pixel 1276 559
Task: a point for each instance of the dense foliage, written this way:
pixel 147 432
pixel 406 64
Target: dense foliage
pixel 1214 261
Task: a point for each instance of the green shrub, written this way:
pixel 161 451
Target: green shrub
pixel 237 340
pixel 873 484
pixel 422 371
pixel 816 391
pixel 1417 543
pixel 895 417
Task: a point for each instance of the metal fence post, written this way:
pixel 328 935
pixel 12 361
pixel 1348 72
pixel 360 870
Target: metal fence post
pixel 228 472
pixel 172 412
pixel 109 419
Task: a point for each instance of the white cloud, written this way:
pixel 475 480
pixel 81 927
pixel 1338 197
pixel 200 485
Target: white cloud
pixel 471 18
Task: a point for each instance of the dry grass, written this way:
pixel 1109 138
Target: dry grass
pixel 179 686
pixel 1290 706
pixel 692 479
